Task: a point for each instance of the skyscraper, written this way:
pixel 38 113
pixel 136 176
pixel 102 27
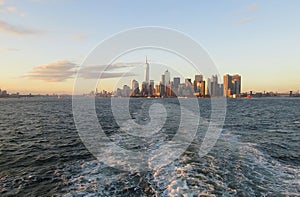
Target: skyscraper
pixel 147 71
pixel 165 82
pixel 237 84
pixel 167 78
pixel 144 90
pixel 228 88
pixel 151 87
pixel 199 89
pixel 188 82
pixel 157 90
pixel 214 89
pixel 126 91
pixel 162 85
pixel 176 81
pixel 214 86
pixel 135 88
pixel 163 79
pixel 186 89
pixel 202 90
pixel 175 86
pixel 208 87
pixel 232 85
pixel 198 78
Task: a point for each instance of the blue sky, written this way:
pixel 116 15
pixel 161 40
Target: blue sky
pixel 257 39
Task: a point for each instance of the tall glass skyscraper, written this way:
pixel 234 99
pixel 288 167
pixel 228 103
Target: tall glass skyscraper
pixel 147 71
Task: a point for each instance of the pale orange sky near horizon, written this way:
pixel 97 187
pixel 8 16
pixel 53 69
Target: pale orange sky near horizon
pixel 66 87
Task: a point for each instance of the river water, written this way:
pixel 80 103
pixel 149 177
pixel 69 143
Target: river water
pixel 257 153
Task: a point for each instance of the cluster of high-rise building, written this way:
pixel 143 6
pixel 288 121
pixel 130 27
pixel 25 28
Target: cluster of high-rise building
pixel 3 93
pixel 176 88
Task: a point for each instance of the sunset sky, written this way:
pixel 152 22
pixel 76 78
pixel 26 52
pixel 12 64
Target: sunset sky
pixel 42 42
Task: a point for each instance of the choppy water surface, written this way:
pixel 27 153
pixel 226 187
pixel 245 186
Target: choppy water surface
pixel 257 153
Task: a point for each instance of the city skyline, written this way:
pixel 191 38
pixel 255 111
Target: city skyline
pixel 41 51
pixel 166 78
pixel 172 86
pixel 230 87
pixel 167 87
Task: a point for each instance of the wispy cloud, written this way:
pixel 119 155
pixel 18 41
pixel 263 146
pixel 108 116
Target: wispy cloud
pixel 40 1
pixel 79 37
pixel 119 69
pixel 53 72
pixel 2 2
pixel 105 75
pixel 4 8
pixel 9 49
pixel 63 70
pixel 10 8
pixel 247 14
pixel 12 29
pixel 245 20
pixel 251 7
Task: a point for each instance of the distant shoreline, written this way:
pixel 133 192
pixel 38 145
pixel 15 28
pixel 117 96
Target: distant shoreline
pixel 143 97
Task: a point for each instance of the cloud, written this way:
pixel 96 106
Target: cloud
pixel 94 72
pixel 63 70
pixel 251 7
pixel 13 9
pixel 4 8
pixel 40 1
pixel 119 69
pixel 106 75
pixel 247 14
pixel 22 14
pixel 10 8
pixel 11 29
pixel 245 20
pixel 53 72
pixel 9 49
pixel 79 37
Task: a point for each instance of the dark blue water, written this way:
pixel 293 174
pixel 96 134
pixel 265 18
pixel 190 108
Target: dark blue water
pixel 257 154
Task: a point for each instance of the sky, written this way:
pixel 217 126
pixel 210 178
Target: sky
pixel 43 42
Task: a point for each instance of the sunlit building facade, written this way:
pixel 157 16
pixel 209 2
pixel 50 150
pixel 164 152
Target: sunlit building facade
pixel 232 85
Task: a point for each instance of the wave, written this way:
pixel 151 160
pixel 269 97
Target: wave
pixel 231 168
